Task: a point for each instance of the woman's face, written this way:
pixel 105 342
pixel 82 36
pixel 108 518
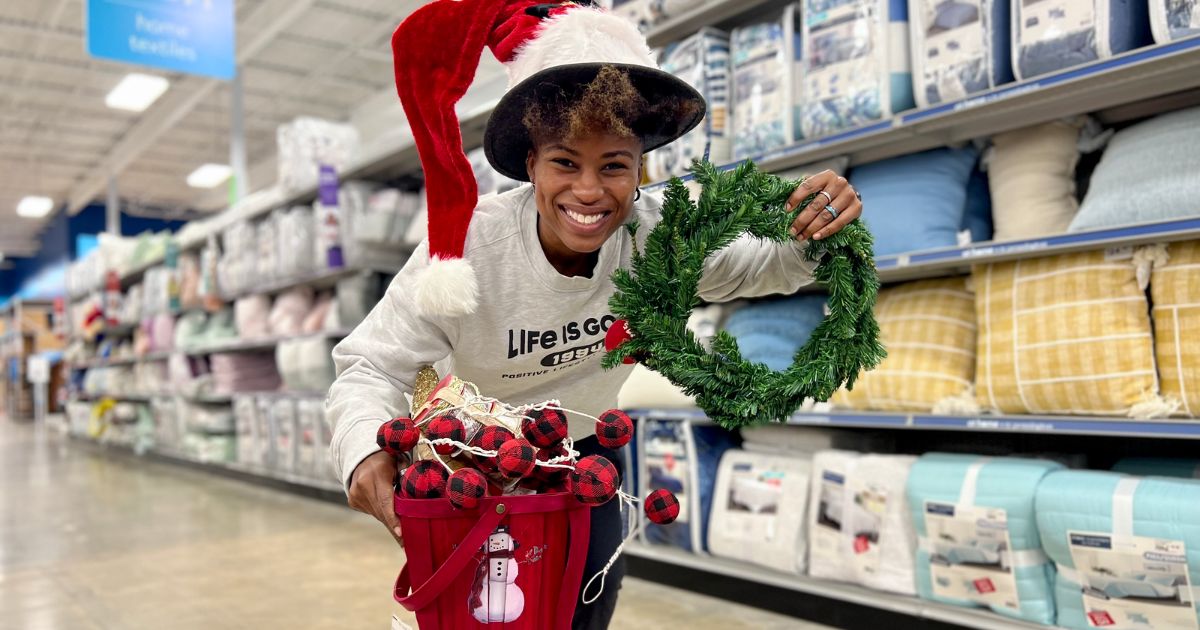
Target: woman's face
pixel 584 189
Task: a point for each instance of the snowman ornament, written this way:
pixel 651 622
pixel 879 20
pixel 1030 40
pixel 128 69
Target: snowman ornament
pixel 495 596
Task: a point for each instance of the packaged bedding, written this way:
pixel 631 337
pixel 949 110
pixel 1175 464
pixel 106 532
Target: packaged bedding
pixel 978 541
pixel 759 508
pixel 683 458
pixel 1127 548
pixel 1174 19
pixel 702 61
pixel 959 47
pixel 1050 35
pixel 1159 467
pixel 859 528
pixel 855 65
pixel 762 86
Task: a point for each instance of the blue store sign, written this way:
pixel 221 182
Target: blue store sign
pixel 192 36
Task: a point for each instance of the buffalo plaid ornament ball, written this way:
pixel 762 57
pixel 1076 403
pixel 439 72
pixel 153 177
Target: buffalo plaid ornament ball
pixel 425 479
pixel 465 488
pixel 662 507
pixel 446 428
pixel 549 477
pixel 545 427
pixel 515 458
pixel 490 438
pixel 398 436
pixel 614 429
pixel 594 480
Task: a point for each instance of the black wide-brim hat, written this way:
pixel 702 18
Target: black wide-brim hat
pixel 507 141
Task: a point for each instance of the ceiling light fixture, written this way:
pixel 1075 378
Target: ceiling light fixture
pixel 35 207
pixel 209 176
pixel 136 92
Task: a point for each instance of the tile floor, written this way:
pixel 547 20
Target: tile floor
pixel 91 540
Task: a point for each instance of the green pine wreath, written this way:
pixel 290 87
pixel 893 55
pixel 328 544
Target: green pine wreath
pixel 656 297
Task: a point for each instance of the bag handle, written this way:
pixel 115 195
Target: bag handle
pixel 445 575
pixel 579 524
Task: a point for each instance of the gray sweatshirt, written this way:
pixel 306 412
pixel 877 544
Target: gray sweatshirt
pixel 536 335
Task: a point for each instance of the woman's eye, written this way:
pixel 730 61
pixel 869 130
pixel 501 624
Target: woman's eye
pixel 563 162
pixel 615 166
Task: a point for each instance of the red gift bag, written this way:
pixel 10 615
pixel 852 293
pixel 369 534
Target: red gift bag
pixel 514 562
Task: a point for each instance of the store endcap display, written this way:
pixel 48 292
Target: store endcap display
pixel 959 48
pixel 855 67
pixel 1055 34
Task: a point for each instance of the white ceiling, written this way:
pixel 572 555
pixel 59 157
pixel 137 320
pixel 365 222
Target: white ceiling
pixel 57 138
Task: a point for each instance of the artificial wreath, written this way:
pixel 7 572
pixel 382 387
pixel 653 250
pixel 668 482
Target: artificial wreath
pixel 656 296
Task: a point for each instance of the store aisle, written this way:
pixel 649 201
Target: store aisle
pixel 96 541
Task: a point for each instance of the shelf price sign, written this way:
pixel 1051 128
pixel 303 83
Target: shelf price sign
pixel 191 36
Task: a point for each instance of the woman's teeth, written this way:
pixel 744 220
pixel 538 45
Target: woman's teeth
pixel 586 219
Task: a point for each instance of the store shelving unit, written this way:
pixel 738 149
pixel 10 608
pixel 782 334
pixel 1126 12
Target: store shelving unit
pixel 982 423
pixel 851 593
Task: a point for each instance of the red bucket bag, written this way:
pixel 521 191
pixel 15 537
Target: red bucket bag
pixel 514 562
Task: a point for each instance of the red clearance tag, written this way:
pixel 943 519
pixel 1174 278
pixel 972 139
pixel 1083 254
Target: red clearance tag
pixel 862 544
pixel 1099 618
pixel 984 585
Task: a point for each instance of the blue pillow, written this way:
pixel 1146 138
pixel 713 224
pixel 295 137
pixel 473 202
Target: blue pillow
pixel 977 214
pixel 771 331
pixel 1160 155
pixel 915 202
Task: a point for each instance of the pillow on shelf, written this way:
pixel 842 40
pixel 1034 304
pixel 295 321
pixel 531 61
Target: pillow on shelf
pixel 288 312
pixel 915 202
pixel 771 331
pixel 252 316
pixel 1032 176
pixel 1066 334
pixel 977 214
pixel 314 322
pixel 1176 296
pixel 928 328
pixel 1162 155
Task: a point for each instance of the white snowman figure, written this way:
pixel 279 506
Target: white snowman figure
pixel 495 596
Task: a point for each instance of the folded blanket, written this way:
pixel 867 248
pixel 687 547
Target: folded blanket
pixel 960 561
pixel 1127 548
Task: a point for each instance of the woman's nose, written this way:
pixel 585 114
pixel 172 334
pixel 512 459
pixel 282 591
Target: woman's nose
pixel 587 188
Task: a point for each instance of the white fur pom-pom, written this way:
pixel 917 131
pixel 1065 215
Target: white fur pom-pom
pixel 447 287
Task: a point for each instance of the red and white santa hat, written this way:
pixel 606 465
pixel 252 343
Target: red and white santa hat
pixel 547 48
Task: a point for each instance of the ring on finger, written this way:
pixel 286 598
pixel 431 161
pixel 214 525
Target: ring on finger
pixel 833 212
pixel 828 197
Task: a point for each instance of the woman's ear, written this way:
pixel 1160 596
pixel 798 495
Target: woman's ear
pixel 530 160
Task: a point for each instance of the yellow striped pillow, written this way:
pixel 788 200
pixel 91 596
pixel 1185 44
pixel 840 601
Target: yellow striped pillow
pixel 928 328
pixel 1064 334
pixel 1175 288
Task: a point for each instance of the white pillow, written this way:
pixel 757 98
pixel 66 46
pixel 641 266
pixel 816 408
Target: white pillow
pixel 1032 174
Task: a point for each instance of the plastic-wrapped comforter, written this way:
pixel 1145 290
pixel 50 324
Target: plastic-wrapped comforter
pixel 1002 569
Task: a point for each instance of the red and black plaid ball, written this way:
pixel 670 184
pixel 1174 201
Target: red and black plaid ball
pixel 614 429
pixel 550 476
pixel 446 428
pixel 397 436
pixel 662 507
pixel 466 487
pixel 515 458
pixel 425 479
pixel 594 480
pixel 545 427
pixel 490 438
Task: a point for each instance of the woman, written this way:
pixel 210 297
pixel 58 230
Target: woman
pixel 542 255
